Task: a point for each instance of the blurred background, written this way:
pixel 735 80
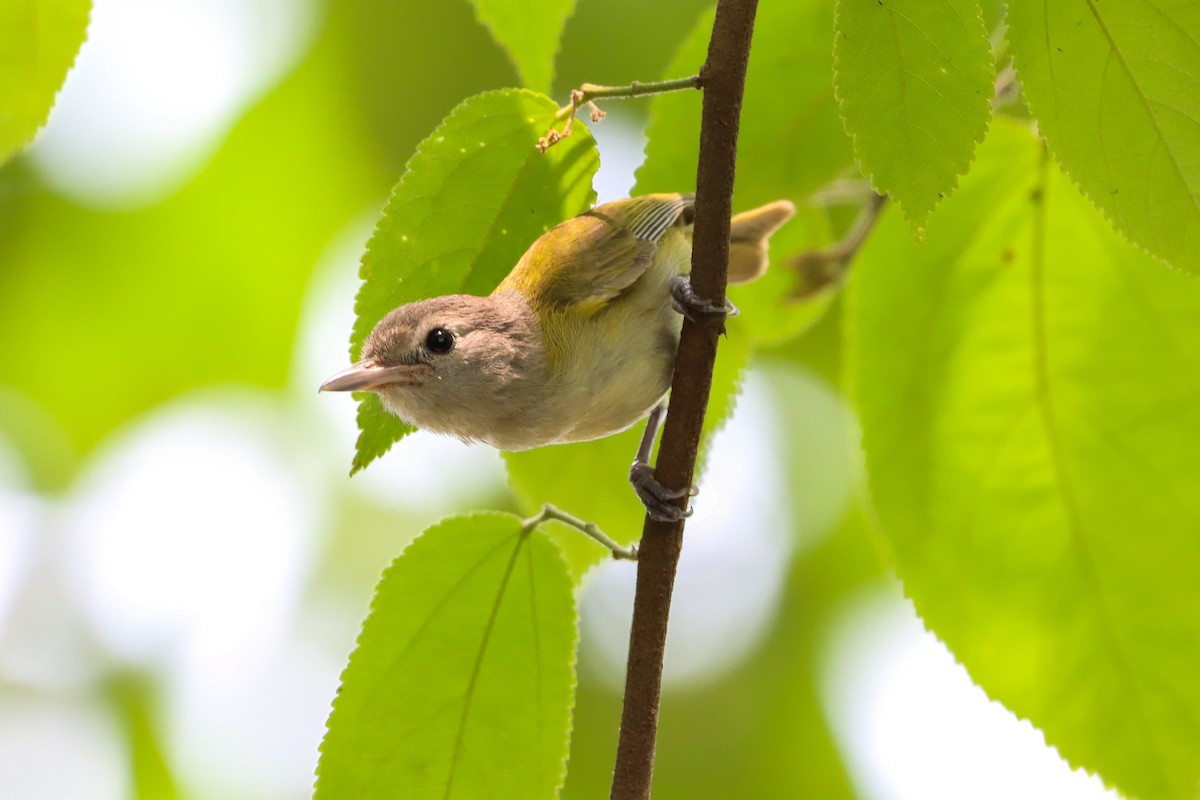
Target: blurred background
pixel 184 563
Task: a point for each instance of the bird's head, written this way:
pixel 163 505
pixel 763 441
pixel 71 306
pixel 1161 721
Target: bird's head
pixel 456 364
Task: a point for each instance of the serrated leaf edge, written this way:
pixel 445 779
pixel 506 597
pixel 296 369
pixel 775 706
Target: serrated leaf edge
pixel 1112 222
pixel 19 145
pixel 918 226
pixel 849 386
pixel 372 609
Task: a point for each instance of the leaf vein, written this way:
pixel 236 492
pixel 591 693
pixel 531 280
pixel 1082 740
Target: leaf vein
pixel 478 666
pixel 1054 444
pixel 1145 101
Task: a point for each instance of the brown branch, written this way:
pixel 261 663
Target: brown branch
pixel 723 80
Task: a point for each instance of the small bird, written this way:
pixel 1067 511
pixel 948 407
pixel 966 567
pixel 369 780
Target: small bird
pixel 577 343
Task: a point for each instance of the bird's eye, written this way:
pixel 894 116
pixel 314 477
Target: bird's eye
pixel 439 341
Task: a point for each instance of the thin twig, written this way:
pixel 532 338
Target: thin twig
pixel 588 93
pixel 587 528
pixel 724 80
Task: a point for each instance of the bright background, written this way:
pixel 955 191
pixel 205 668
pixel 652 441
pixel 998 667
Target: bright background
pixel 184 563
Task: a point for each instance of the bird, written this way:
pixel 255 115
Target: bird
pixel 578 342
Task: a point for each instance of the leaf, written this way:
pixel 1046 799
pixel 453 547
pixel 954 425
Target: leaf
pixel 379 430
pixel 1027 384
pixel 913 78
pixel 791 143
pixel 591 479
pixel 1115 88
pixel 528 32
pixel 472 199
pixel 463 679
pixel 38 43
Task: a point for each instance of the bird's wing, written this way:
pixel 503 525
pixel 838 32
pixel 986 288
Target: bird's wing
pixel 587 261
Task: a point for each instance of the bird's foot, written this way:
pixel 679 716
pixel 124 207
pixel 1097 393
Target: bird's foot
pixel 685 301
pixel 658 499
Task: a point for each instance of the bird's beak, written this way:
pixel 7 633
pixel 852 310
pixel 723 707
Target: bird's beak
pixel 367 376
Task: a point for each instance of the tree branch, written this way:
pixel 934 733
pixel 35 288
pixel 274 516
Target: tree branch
pixel 723 80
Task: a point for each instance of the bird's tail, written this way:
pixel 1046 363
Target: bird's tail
pixel 748 235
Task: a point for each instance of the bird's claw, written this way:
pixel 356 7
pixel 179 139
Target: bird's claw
pixel 658 499
pixel 685 301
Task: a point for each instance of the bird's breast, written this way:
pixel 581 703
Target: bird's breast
pixel 609 369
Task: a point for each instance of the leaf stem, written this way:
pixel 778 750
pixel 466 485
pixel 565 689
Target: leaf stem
pixel 587 528
pixel 723 78
pixel 591 91
pixel 588 93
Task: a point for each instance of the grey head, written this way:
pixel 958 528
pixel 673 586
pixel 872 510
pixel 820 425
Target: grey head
pixel 461 365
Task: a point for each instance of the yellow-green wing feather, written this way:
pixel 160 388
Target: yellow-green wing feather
pixel 585 262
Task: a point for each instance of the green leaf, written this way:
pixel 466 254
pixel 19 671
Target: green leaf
pixel 474 196
pixel 591 479
pixel 1115 88
pixel 38 43
pixel 463 679
pixel 791 143
pixel 913 78
pixel 529 32
pixel 378 429
pixel 1027 384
